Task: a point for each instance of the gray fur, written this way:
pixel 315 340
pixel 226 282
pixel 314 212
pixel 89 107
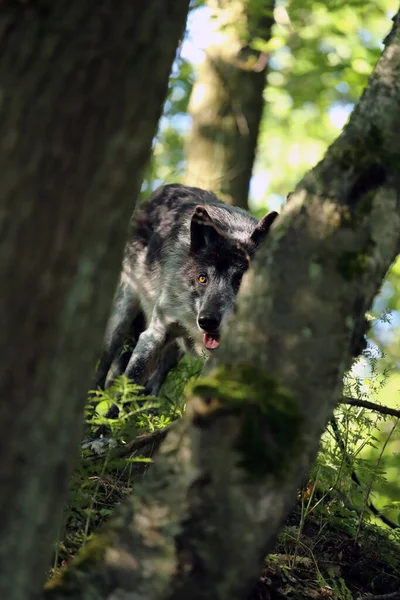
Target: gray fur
pixel 179 234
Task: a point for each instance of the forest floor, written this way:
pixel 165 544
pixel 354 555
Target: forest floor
pixel 321 558
pixel 321 555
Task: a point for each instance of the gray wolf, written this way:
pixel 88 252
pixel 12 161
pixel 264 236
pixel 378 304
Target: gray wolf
pixel 182 267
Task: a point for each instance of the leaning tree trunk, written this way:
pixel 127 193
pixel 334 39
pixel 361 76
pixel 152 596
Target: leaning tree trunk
pixel 82 85
pixel 227 101
pixel 226 477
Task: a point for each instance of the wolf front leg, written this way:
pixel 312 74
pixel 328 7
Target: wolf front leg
pixel 125 310
pixel 170 357
pixel 148 351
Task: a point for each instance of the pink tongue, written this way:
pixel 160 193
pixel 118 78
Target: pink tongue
pixel 210 342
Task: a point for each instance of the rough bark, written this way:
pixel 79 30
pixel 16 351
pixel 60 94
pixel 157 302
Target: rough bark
pixel 82 85
pixel 225 478
pixel 227 101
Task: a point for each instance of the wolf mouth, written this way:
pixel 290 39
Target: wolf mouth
pixel 211 340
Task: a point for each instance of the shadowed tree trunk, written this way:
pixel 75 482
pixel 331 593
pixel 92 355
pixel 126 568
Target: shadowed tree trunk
pixel 210 507
pixel 82 85
pixel 227 100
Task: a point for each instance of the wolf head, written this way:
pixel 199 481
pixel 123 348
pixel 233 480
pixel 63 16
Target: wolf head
pixel 216 265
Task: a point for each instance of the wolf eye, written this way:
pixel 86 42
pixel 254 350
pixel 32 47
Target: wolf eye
pixel 203 279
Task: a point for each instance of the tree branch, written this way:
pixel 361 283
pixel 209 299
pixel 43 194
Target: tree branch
pixel 149 442
pixel 384 410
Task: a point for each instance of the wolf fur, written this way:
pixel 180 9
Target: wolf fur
pixel 181 271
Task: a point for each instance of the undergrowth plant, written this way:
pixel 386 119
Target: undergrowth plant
pixel 331 490
pixel 102 481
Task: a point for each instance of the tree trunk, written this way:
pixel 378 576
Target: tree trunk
pixel 227 101
pixel 226 477
pixel 82 85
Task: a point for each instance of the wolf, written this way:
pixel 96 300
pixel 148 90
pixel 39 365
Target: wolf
pixel 182 267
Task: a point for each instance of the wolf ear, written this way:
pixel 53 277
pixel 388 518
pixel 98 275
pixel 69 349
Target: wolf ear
pixel 263 227
pixel 202 229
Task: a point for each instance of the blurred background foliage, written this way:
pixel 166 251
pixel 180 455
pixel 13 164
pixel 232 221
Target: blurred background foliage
pixel 319 58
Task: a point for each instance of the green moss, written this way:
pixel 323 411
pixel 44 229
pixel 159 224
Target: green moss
pixel 315 270
pixel 359 148
pixel 366 202
pixel 92 553
pixel 353 264
pixel 271 422
pixel 235 385
pixel 344 157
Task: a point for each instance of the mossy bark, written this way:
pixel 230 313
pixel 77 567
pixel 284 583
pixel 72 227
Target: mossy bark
pixel 225 478
pixel 226 104
pixel 82 85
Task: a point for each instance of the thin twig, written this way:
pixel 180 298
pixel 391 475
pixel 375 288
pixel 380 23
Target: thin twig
pixel 384 410
pixel 150 439
pixel 155 437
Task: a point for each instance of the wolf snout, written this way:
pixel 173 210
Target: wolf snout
pixel 209 321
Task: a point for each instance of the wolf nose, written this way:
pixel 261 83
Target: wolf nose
pixel 209 322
